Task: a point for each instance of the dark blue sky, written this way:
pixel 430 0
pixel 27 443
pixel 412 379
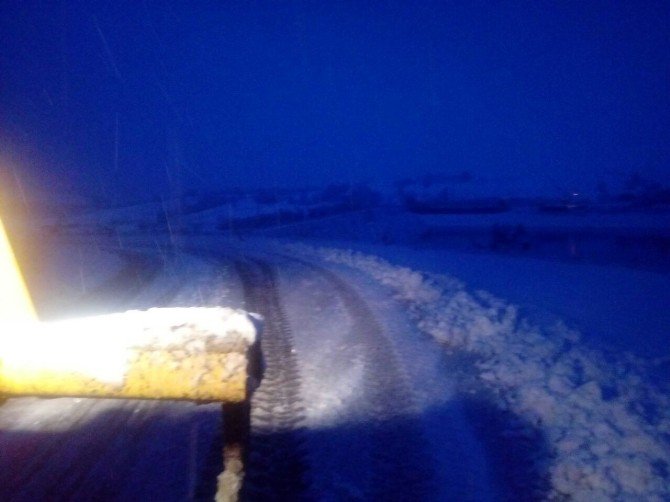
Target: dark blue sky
pixel 137 97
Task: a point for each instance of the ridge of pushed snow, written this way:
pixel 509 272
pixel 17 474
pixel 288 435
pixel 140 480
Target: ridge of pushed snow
pixel 608 428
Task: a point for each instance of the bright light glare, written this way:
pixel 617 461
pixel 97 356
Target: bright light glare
pixel 15 302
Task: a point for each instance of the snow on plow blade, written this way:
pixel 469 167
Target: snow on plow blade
pixel 193 353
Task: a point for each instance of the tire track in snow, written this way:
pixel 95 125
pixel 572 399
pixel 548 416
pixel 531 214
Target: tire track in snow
pixel 399 470
pixel 275 467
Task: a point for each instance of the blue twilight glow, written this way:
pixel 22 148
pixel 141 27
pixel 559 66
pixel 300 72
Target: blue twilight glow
pixel 141 97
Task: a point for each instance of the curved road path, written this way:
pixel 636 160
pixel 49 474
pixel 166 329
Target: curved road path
pixel 370 446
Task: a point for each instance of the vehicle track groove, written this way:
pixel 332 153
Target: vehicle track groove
pixel 399 469
pixel 275 467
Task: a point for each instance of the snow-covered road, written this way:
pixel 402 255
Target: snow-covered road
pixel 381 383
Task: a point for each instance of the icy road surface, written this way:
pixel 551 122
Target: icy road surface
pixel 381 383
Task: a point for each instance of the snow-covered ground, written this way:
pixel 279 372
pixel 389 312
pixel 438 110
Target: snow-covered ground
pixel 527 374
pixel 615 308
pixel 578 348
pixel 605 422
pixel 616 302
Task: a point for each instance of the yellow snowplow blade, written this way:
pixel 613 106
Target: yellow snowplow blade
pixel 15 302
pixel 173 353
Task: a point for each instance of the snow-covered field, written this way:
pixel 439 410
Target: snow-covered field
pixel 568 357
